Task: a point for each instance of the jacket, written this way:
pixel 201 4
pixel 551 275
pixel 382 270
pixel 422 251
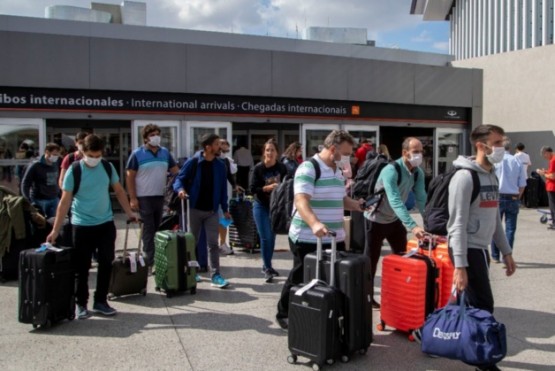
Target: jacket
pixel 12 217
pixel 191 182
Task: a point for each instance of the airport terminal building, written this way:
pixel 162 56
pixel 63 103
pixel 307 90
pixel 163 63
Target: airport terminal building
pixel 58 77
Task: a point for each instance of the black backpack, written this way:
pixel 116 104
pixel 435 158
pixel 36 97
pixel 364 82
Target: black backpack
pixel 367 176
pixel 436 213
pixel 77 174
pixel 281 202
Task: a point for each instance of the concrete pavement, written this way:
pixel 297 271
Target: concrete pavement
pixel 234 329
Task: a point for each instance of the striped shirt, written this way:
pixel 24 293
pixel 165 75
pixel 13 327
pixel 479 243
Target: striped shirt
pixel 326 201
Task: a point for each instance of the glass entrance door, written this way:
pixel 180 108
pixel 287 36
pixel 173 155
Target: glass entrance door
pixel 196 129
pixel 360 132
pixel 117 148
pixel 21 141
pixel 312 137
pixel 449 145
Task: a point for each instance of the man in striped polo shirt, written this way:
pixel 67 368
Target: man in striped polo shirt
pixel 147 171
pixel 319 208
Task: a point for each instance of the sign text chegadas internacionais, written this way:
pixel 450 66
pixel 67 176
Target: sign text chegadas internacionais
pixel 132 101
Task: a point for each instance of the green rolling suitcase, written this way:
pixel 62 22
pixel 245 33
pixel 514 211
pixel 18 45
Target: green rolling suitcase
pixel 175 260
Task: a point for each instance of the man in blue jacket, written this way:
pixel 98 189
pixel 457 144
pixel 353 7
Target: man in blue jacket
pixel 203 179
pixel 392 219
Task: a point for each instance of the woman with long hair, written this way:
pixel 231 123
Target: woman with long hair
pixel 265 177
pixel 290 157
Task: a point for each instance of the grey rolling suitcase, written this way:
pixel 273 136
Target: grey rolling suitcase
pixel 129 271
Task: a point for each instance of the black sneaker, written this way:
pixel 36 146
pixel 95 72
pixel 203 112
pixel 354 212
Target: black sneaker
pixel 273 272
pixel 104 309
pixel 551 227
pixel 283 322
pixel 375 304
pixel 268 276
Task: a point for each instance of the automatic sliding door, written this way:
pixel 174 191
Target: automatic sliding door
pixel 313 136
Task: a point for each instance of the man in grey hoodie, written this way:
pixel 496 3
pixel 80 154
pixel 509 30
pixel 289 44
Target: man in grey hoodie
pixel 472 227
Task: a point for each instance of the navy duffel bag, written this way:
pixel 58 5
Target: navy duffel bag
pixel 468 334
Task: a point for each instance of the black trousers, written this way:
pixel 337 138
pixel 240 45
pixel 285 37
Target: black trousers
pixel 396 235
pixel 151 209
pixel 551 199
pixel 243 176
pixel 478 291
pixel 86 239
pixel 299 251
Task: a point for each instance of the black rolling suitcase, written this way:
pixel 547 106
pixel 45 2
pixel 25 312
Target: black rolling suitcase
pixel 316 320
pixel 354 279
pixel 46 286
pixel 129 271
pixel 531 198
pixel 242 231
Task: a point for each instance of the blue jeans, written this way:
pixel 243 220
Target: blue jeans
pixel 47 206
pixel 508 208
pixel 264 229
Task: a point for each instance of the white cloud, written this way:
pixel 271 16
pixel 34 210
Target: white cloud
pixel 441 45
pixel 423 37
pixel 282 18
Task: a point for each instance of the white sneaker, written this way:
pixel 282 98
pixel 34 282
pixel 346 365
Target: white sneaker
pixel 225 249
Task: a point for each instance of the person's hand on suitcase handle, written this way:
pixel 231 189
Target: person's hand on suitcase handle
pixel 182 194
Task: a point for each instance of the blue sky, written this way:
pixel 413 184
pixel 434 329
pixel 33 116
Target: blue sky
pixel 388 21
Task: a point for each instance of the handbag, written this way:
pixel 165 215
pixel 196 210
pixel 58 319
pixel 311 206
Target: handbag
pixel 464 333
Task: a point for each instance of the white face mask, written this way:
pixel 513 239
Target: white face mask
pixel 496 155
pixel 154 140
pixel 53 158
pixel 91 161
pixel 343 162
pixel 415 160
pixel 80 148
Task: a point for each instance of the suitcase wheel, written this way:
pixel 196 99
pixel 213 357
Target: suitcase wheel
pixel 143 292
pixel 381 326
pixel 316 367
pixel 292 359
pixel 543 219
pixel 331 361
pixel 411 337
pixel 35 326
pixel 344 359
pixel 111 297
pixel 363 351
pixel 169 294
pixel 193 290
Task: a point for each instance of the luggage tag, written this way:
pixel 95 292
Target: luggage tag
pixel 307 287
pixel 47 246
pixel 193 264
pixel 133 262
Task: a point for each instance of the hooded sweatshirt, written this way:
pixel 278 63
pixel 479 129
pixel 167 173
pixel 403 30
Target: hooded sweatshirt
pixel 473 226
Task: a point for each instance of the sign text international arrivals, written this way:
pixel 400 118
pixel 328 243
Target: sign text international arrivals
pixel 12 98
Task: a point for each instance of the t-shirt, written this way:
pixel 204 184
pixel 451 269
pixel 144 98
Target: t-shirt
pixel 66 161
pixel 550 183
pixel 205 200
pixel 326 201
pixel 524 160
pixel 91 205
pixel 262 176
pixel 152 169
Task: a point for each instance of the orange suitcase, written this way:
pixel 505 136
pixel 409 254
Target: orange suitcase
pixel 440 252
pixel 409 291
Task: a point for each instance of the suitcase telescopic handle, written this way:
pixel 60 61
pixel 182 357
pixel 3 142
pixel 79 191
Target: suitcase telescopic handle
pixel 319 254
pixel 127 236
pixel 185 217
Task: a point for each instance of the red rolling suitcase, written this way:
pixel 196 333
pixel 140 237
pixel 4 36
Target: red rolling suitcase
pixel 440 252
pixel 353 278
pixel 409 291
pixel 316 319
pixel 129 271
